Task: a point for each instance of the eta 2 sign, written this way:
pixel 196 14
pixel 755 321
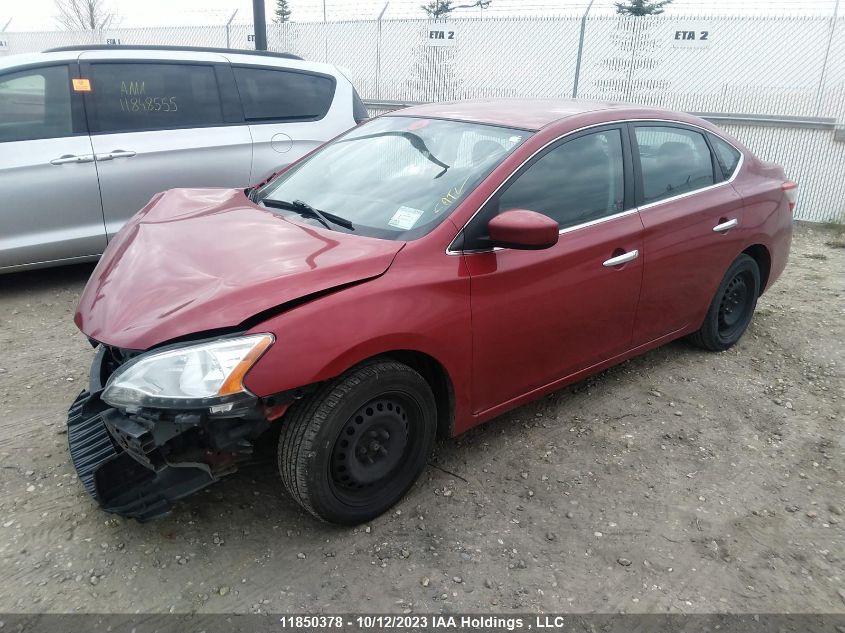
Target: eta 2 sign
pixel 691 35
pixel 441 34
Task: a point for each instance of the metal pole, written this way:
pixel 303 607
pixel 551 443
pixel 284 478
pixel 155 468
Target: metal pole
pixel 228 24
pixel 259 21
pixel 580 50
pixel 822 78
pixel 378 51
pixel 325 35
pixel 7 25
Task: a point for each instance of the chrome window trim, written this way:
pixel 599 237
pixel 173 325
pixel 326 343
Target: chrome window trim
pixel 569 229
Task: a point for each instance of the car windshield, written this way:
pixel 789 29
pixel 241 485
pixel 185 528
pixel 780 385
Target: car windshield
pixel 392 178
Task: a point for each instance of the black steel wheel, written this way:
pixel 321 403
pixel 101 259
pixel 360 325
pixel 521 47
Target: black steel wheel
pixel 732 306
pixel 354 448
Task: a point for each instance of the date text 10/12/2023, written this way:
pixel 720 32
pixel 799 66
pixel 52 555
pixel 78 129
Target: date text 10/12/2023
pixel 446 622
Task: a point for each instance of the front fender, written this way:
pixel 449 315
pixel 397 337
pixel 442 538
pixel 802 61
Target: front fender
pixel 422 308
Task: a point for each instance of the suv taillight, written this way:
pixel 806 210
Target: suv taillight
pixel 790 190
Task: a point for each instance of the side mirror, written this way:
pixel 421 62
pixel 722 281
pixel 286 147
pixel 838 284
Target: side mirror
pixel 523 229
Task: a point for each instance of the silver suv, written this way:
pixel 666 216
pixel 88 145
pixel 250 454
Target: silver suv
pixel 89 134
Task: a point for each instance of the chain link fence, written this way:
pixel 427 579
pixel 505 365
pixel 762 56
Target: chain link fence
pixel 782 68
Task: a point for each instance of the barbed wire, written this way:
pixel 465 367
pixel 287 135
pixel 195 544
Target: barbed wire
pixel 135 13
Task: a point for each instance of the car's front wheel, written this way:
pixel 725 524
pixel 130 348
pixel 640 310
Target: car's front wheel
pixel 352 449
pixel 732 307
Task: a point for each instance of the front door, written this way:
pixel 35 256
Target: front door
pixel 50 206
pixel 554 312
pixel 158 125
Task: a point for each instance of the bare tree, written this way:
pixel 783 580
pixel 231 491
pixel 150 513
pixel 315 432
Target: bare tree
pixel 86 15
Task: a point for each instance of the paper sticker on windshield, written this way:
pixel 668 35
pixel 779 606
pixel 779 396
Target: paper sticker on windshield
pixel 405 218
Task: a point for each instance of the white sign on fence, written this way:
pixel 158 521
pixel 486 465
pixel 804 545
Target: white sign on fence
pixel 442 35
pixel 691 35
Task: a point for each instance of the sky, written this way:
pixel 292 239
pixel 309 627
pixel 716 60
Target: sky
pixel 40 15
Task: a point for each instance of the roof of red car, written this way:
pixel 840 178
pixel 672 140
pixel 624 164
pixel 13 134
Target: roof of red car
pixel 529 114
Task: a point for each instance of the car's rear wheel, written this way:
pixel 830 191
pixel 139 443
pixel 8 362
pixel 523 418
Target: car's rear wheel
pixel 352 450
pixel 732 307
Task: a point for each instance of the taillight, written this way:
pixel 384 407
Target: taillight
pixel 790 190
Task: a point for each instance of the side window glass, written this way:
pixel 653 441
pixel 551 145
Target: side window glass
pixel 577 182
pixel 673 160
pixel 726 154
pixel 35 104
pixel 283 95
pixel 131 97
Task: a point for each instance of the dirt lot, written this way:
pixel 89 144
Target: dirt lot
pixel 681 481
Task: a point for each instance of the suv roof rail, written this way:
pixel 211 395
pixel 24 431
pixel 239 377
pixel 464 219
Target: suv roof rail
pixel 152 47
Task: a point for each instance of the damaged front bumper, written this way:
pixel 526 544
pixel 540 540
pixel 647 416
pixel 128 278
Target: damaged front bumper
pixel 137 465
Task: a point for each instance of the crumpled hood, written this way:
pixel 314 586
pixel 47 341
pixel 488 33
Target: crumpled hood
pixel 201 259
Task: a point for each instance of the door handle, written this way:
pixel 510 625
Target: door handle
pixel 624 258
pixel 118 153
pixel 725 226
pixel 72 158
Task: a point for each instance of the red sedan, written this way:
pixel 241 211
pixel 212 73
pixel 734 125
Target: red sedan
pixel 424 272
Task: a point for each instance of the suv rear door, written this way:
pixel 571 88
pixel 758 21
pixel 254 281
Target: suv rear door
pixel 157 123
pixel 50 206
pixel 290 110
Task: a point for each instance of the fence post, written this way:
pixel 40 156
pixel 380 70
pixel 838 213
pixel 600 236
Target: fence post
pixel 378 50
pixel 823 78
pixel 228 24
pixel 581 50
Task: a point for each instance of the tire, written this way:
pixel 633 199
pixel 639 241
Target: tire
pixel 353 449
pixel 732 307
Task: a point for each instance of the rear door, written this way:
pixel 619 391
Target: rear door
pixel 158 124
pixel 50 206
pixel 692 218
pixel 290 111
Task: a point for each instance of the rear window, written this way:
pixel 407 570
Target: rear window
pixel 134 97
pixel 726 155
pixel 35 104
pixel 283 95
pixel 674 161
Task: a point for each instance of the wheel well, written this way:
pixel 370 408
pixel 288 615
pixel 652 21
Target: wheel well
pixel 764 262
pixel 438 379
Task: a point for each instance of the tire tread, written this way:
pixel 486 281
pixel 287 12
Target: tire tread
pixel 307 417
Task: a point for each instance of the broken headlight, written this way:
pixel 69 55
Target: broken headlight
pixel 187 377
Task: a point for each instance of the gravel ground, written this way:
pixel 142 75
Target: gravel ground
pixel 681 481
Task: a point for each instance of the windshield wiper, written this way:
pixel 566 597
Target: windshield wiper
pixel 324 217
pixel 415 140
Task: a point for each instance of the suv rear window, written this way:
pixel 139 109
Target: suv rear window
pixel 282 95
pixel 35 104
pixel 134 97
